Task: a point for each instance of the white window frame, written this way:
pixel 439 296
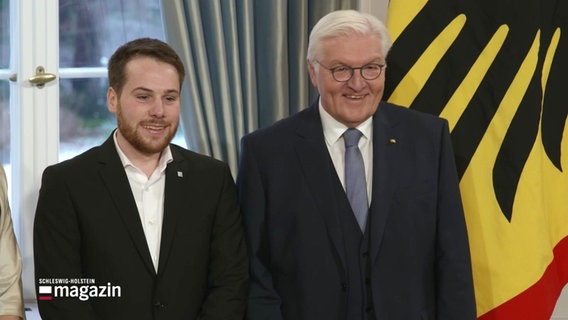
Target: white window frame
pixel 34 115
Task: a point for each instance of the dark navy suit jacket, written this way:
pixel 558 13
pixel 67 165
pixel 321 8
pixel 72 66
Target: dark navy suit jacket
pixel 420 259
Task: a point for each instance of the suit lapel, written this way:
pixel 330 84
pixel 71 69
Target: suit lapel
pixel 386 146
pixel 175 194
pixel 318 170
pixel 116 181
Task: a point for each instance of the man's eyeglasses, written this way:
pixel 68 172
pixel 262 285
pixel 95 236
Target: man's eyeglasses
pixel 343 73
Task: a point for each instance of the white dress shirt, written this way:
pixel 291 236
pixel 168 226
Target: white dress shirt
pixel 333 132
pixel 149 196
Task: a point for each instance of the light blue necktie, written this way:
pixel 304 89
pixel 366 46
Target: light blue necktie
pixel 355 182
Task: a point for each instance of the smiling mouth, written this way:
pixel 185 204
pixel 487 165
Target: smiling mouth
pixel 154 127
pixel 355 97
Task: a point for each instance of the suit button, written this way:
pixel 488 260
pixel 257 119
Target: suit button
pixel 343 286
pixel 158 305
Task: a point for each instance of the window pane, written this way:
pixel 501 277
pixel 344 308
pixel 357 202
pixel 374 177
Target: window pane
pixel 5 85
pixel 5 124
pixel 90 31
pixel 4 34
pixel 84 120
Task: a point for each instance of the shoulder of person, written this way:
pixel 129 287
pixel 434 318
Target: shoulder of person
pixel 408 114
pixel 285 126
pixel 82 161
pixel 179 152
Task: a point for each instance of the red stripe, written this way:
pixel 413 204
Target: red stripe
pixel 538 301
pixel 45 298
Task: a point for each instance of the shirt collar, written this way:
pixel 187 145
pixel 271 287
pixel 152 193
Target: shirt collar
pixel 165 158
pixel 333 129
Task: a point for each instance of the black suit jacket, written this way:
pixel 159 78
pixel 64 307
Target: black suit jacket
pixel 87 226
pixel 420 262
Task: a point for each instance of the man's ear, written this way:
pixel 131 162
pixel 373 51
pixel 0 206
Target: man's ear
pixel 312 72
pixel 112 100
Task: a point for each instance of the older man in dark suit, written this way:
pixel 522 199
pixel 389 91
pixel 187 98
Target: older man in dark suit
pixel 352 209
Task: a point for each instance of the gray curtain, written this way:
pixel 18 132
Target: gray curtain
pixel 246 65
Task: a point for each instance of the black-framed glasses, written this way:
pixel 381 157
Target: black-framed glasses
pixel 344 73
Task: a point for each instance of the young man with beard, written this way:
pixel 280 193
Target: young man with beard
pixel 157 224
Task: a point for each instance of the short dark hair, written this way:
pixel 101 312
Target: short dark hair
pixel 142 47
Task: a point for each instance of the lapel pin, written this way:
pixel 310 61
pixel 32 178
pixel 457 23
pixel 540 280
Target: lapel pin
pixel 180 174
pixel 392 141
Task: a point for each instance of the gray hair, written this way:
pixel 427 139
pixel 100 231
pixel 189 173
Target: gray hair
pixel 345 23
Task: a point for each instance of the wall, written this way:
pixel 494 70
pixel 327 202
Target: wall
pixel 379 9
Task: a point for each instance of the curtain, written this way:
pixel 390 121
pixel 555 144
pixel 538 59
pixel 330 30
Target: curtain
pixel 245 65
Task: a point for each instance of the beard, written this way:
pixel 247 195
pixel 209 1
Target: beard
pixel 143 144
